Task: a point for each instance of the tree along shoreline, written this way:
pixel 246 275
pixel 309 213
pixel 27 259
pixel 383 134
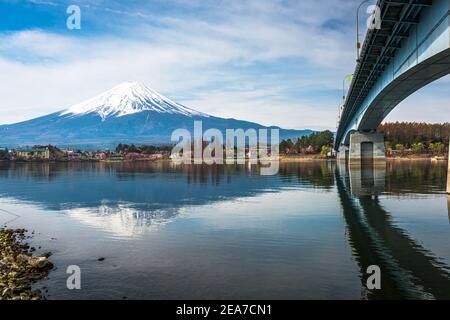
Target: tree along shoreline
pixel 402 140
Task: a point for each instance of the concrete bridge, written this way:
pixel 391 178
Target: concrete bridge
pixel 409 51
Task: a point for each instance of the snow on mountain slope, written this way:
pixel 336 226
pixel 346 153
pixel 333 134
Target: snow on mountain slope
pixel 128 113
pixel 129 98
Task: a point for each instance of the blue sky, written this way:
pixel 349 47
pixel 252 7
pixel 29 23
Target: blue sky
pixel 276 62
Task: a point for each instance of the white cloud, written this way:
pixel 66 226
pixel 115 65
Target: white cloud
pixel 230 59
pixel 44 2
pixel 430 104
pixel 45 72
pixel 265 107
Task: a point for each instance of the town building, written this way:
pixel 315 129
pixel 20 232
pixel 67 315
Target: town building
pixel 36 153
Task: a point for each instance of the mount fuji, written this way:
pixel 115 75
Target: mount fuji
pixel 127 113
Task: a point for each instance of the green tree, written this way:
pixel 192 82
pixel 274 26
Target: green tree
pixel 121 148
pixel 400 147
pixel 286 146
pixel 317 140
pixel 325 151
pixel 437 148
pixel 418 148
pixel 4 153
pixel 387 145
pixel 408 133
pixel 148 149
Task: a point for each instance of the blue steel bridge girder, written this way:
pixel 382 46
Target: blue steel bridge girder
pixel 411 49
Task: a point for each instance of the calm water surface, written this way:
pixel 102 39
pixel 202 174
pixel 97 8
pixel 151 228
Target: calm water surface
pixel 225 232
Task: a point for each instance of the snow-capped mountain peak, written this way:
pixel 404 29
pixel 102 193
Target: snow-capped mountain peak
pixel 129 98
pixel 128 113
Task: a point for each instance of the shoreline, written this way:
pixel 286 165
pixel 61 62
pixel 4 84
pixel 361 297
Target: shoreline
pixel 406 158
pixel 20 269
pixel 281 159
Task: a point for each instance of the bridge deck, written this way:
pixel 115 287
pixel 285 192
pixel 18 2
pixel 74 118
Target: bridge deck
pixel 379 48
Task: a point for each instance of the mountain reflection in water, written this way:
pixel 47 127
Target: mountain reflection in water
pixel 381 209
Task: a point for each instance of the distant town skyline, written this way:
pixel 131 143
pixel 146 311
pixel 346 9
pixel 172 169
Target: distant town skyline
pixel 271 62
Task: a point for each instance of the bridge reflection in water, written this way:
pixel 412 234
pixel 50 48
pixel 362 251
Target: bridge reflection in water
pixel 408 270
pixel 448 206
pixel 132 201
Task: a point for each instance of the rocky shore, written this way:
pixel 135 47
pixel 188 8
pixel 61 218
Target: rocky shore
pixel 19 268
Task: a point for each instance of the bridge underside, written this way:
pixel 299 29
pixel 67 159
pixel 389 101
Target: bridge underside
pixel 402 87
pixel 411 50
pixel 393 94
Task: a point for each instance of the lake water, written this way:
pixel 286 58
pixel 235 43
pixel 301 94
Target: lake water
pixel 225 232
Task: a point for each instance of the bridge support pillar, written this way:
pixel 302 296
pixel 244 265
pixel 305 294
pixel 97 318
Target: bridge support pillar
pixel 343 153
pixel 448 173
pixel 366 146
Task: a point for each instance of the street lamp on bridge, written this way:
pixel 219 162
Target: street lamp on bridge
pixel 348 78
pixel 358 44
